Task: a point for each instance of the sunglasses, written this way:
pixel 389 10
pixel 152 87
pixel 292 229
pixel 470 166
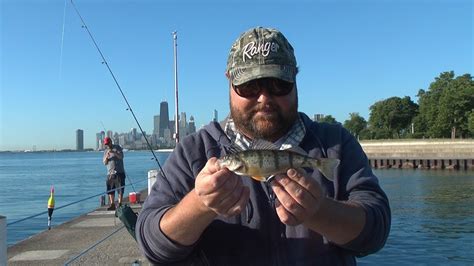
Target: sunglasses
pixel 253 88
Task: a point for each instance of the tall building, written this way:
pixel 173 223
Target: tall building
pixel 191 126
pixel 133 132
pixel 183 129
pixel 79 139
pixel 110 133
pixel 318 117
pixel 215 119
pixel 98 141
pixel 164 117
pixel 156 125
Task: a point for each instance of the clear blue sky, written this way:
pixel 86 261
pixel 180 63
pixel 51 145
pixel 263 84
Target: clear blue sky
pixel 350 53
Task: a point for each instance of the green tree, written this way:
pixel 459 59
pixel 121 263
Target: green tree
pixel 355 124
pixel 392 118
pixel 445 107
pixel 470 123
pixel 328 119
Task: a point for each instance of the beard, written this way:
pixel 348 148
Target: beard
pixel 270 126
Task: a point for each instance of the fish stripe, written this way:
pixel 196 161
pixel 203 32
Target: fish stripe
pixel 260 159
pixel 277 159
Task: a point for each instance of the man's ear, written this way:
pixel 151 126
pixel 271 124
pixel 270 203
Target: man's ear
pixel 227 74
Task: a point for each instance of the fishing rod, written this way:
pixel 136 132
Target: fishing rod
pixel 104 61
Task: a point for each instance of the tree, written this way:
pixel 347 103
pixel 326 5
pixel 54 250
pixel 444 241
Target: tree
pixel 445 107
pixel 355 124
pixel 392 118
pixel 470 122
pixel 328 119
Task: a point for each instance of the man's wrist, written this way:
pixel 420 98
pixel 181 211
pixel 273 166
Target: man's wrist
pixel 201 206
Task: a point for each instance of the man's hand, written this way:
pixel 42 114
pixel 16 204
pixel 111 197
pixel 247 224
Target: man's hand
pixel 221 190
pixel 105 160
pixel 298 197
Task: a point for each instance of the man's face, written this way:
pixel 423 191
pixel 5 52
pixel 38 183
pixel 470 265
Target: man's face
pixel 263 115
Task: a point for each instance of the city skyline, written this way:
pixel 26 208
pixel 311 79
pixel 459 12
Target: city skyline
pixel 350 55
pixel 162 135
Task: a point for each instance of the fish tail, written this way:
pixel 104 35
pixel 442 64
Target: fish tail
pixel 327 167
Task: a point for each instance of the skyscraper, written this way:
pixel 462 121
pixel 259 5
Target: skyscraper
pixel 133 133
pixel 156 125
pixel 191 126
pixel 98 140
pixel 215 119
pixel 183 129
pixel 318 117
pixel 164 117
pixel 79 140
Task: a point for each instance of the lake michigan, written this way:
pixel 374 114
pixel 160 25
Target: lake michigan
pixel 432 210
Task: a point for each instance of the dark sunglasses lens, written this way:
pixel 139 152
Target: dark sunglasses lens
pixel 276 87
pixel 247 90
pixel 281 87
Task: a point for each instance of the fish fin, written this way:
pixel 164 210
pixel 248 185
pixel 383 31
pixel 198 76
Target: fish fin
pixel 261 144
pixel 328 167
pixel 233 148
pixel 259 178
pixel 296 149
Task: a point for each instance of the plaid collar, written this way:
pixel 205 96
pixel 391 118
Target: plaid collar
pixel 291 139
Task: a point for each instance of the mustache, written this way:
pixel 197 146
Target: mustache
pixel 268 107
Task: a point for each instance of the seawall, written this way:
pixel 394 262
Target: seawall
pixel 421 153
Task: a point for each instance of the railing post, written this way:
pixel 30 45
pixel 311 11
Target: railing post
pixel 3 240
pixel 152 174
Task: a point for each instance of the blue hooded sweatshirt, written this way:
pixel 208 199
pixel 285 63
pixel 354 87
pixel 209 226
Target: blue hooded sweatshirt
pixel 257 236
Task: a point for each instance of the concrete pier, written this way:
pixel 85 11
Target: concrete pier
pixel 86 240
pixel 421 154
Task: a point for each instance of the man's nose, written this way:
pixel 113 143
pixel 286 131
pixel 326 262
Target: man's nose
pixel 264 91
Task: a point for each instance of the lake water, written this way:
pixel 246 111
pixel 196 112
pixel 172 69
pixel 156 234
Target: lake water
pixel 26 179
pixel 432 211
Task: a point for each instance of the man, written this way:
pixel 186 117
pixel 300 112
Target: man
pixel 113 159
pixel 200 213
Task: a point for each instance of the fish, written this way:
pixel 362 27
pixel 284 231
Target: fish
pixel 263 164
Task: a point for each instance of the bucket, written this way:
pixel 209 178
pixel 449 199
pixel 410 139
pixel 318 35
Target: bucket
pixel 134 197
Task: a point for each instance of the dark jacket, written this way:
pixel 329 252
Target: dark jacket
pixel 256 236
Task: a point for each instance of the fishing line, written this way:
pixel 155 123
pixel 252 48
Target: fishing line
pixel 105 130
pixel 62 42
pixel 104 61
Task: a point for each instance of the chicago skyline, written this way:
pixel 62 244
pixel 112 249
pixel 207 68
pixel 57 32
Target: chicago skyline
pixel 162 135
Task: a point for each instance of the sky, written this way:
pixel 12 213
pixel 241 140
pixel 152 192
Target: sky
pixel 350 54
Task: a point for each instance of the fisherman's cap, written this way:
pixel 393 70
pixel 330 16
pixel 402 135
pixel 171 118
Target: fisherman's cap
pixel 261 53
pixel 107 140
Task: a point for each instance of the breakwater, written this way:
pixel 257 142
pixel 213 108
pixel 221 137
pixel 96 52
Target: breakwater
pixel 421 153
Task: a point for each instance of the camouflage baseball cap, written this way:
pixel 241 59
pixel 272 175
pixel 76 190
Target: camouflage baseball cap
pixel 261 53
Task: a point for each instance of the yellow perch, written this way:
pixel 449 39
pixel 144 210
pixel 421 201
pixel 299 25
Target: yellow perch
pixel 262 164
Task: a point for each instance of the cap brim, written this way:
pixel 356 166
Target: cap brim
pixel 242 75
